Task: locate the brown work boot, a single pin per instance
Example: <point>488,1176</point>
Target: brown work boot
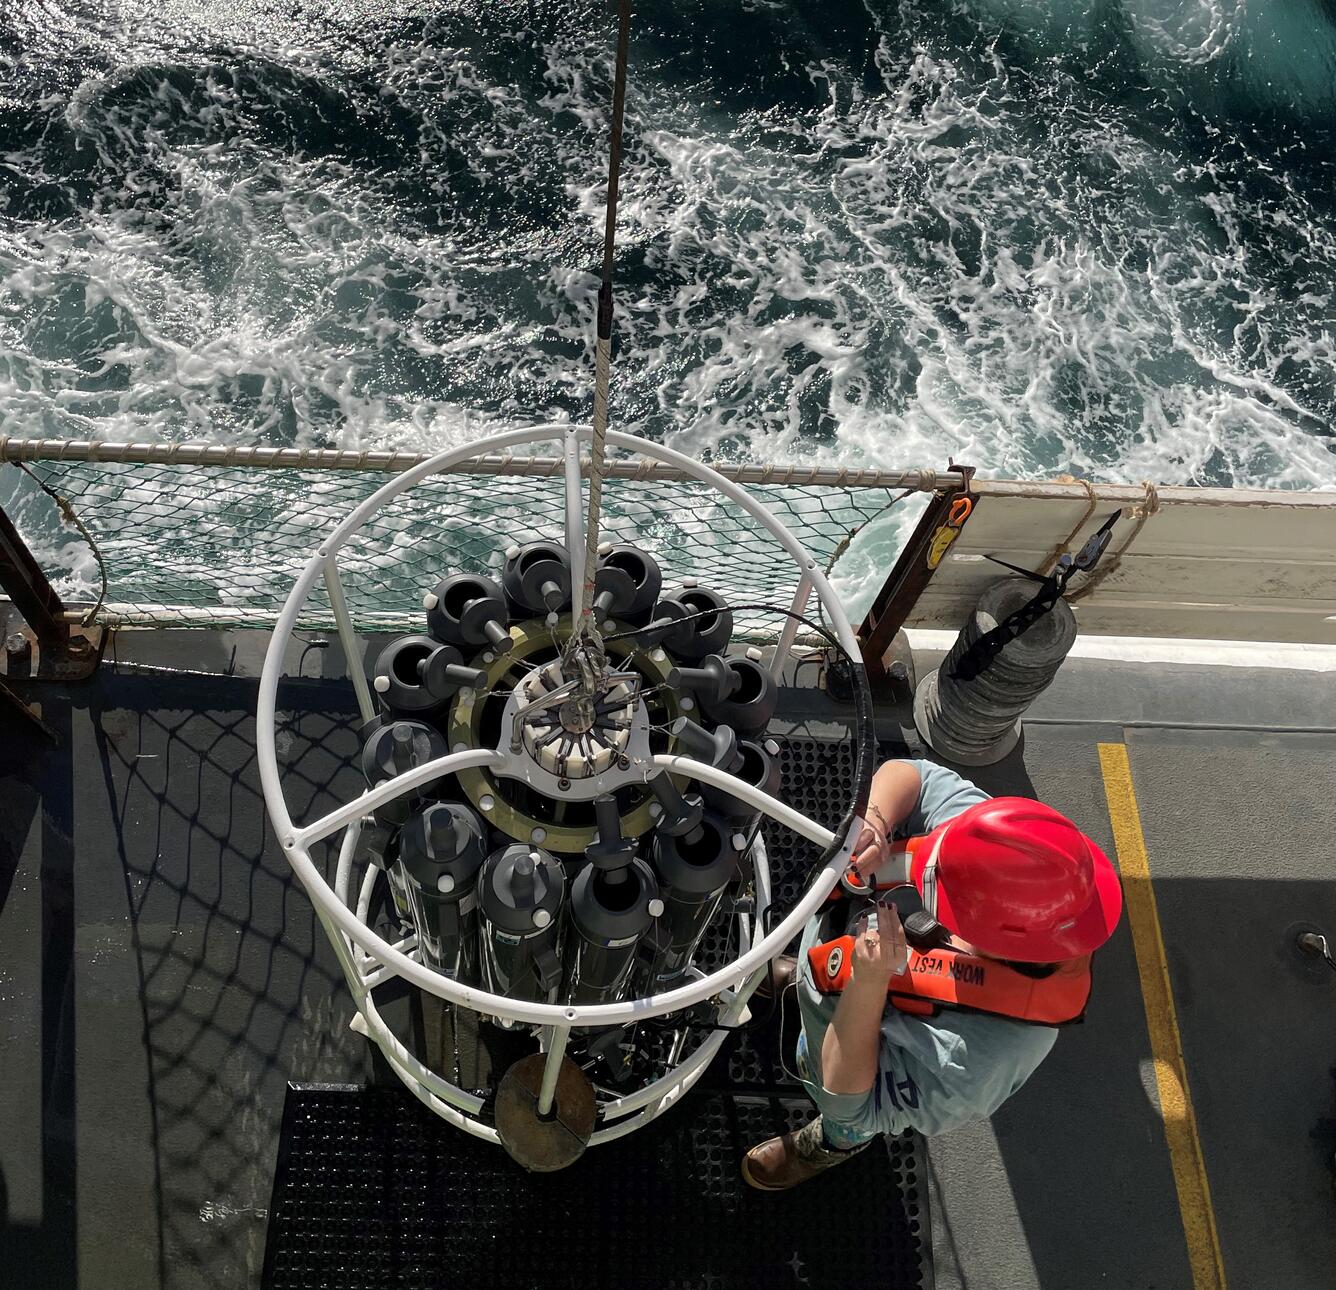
<point>792,1158</point>
<point>784,974</point>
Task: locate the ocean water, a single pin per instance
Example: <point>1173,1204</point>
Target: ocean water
<point>1039,237</point>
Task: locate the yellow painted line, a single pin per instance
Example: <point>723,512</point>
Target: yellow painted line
<point>1171,1073</point>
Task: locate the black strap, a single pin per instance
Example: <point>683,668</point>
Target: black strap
<point>547,967</point>
<point>979,657</point>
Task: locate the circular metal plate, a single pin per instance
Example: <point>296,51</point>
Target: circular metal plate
<point>578,778</point>
<point>466,714</point>
<point>544,1144</point>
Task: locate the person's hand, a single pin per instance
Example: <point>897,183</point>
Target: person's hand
<point>880,952</point>
<point>870,852</point>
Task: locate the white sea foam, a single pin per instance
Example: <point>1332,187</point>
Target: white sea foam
<point>379,225</point>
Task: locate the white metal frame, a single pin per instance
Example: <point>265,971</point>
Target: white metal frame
<point>368,960</point>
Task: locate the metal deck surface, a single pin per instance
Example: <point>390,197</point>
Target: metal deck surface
<point>162,978</point>
<point>375,1191</point>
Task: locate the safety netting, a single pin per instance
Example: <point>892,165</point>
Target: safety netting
<point>188,543</point>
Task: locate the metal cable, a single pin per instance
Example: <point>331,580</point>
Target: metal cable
<point>586,631</point>
<point>848,538</point>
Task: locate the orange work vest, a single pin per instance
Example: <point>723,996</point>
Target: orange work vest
<point>948,978</point>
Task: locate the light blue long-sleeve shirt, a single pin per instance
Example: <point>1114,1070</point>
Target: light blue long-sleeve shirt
<point>934,1072</point>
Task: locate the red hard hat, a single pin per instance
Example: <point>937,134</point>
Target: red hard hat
<point>1018,880</point>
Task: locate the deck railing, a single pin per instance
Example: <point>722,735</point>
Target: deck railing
<point>214,535</point>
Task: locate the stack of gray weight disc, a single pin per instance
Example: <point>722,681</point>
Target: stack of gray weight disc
<point>976,723</point>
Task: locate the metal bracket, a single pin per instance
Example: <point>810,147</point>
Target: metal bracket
<point>966,474</point>
<point>631,769</point>
<point>38,640</point>
<point>25,657</point>
<point>938,527</point>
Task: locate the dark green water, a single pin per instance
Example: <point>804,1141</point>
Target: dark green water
<point>1038,237</point>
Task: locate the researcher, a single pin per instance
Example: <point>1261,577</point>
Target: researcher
<point>1005,900</point>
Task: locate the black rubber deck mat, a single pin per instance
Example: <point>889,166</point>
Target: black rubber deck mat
<point>374,1191</point>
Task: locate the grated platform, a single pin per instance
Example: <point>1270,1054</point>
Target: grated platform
<point>373,1191</point>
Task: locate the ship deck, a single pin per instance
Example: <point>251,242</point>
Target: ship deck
<point>164,979</point>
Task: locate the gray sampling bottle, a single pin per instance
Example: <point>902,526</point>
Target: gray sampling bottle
<point>387,751</point>
<point>521,891</point>
<point>696,856</point>
<point>614,902</point>
<point>757,765</point>
<point>441,850</point>
<point>392,749</point>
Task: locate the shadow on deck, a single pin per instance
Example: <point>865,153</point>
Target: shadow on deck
<point>163,977</point>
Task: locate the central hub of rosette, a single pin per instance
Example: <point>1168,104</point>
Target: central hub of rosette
<point>571,734</point>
